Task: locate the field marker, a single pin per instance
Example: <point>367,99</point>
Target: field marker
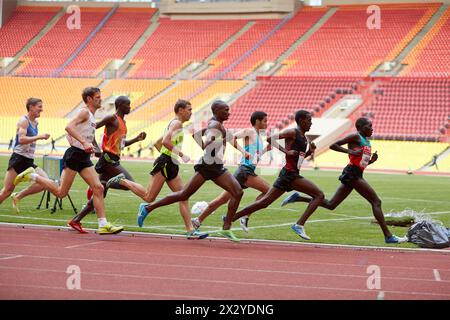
<point>380,295</point>
<point>437,276</point>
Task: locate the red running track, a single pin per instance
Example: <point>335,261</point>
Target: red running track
<point>34,263</point>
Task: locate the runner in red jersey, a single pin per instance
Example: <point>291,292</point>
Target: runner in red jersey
<point>360,154</point>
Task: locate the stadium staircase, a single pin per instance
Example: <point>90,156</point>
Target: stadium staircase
<point>441,158</point>
<point>428,21</point>
<point>61,42</point>
<point>284,56</point>
<point>430,56</point>
<point>103,55</point>
<point>356,50</point>
<point>130,64</point>
<point>85,42</point>
<point>206,64</point>
<point>160,94</point>
<point>30,42</point>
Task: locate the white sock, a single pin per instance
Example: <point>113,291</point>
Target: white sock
<point>33,176</point>
<point>102,222</point>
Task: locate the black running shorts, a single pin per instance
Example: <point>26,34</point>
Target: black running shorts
<point>166,166</point>
<point>107,159</point>
<point>20,163</point>
<point>285,178</point>
<point>350,174</point>
<point>242,173</point>
<point>77,159</point>
<point>210,171</point>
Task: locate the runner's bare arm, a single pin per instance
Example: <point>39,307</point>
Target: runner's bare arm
<point>22,133</point>
<point>353,137</point>
<point>285,134</point>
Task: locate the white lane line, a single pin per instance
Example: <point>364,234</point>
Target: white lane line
<point>160,236</point>
<point>11,257</point>
<point>265,270</point>
<point>82,245</point>
<point>168,296</point>
<point>231,283</point>
<point>437,276</point>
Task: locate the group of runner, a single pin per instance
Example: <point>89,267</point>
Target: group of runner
<point>109,173</point>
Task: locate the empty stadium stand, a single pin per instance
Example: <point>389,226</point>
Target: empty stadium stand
<point>139,91</point>
<point>175,44</point>
<point>113,41</point>
<point>59,95</point>
<point>280,97</point>
<point>24,25</point>
<point>411,108</point>
<point>312,73</point>
<point>59,43</point>
<point>272,48</point>
<point>345,46</point>
<point>430,57</point>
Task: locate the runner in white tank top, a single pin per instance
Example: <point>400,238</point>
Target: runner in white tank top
<point>86,130</point>
<point>80,134</point>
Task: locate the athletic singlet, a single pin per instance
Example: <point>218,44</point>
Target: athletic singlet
<point>26,150</point>
<point>176,140</point>
<point>86,130</point>
<point>255,150</point>
<point>294,163</point>
<point>210,156</point>
<point>361,161</point>
<point>115,142</point>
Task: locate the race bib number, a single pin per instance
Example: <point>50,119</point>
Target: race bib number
<point>122,142</point>
<point>301,157</point>
<point>365,157</point>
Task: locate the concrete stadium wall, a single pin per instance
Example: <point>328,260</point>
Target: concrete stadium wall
<point>83,4</point>
<point>262,9</point>
<point>6,10</point>
<point>212,10</point>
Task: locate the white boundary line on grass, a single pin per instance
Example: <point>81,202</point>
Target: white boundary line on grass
<point>250,241</point>
<point>172,228</point>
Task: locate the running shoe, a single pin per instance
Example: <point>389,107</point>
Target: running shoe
<point>115,179</point>
<point>294,197</point>
<point>196,223</point>
<point>395,239</point>
<point>300,231</point>
<point>24,176</point>
<point>142,214</point>
<point>15,202</point>
<point>229,235</point>
<point>109,229</point>
<point>244,223</point>
<point>76,226</point>
<point>196,235</point>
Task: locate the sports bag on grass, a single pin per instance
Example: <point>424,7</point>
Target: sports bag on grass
<point>428,234</point>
